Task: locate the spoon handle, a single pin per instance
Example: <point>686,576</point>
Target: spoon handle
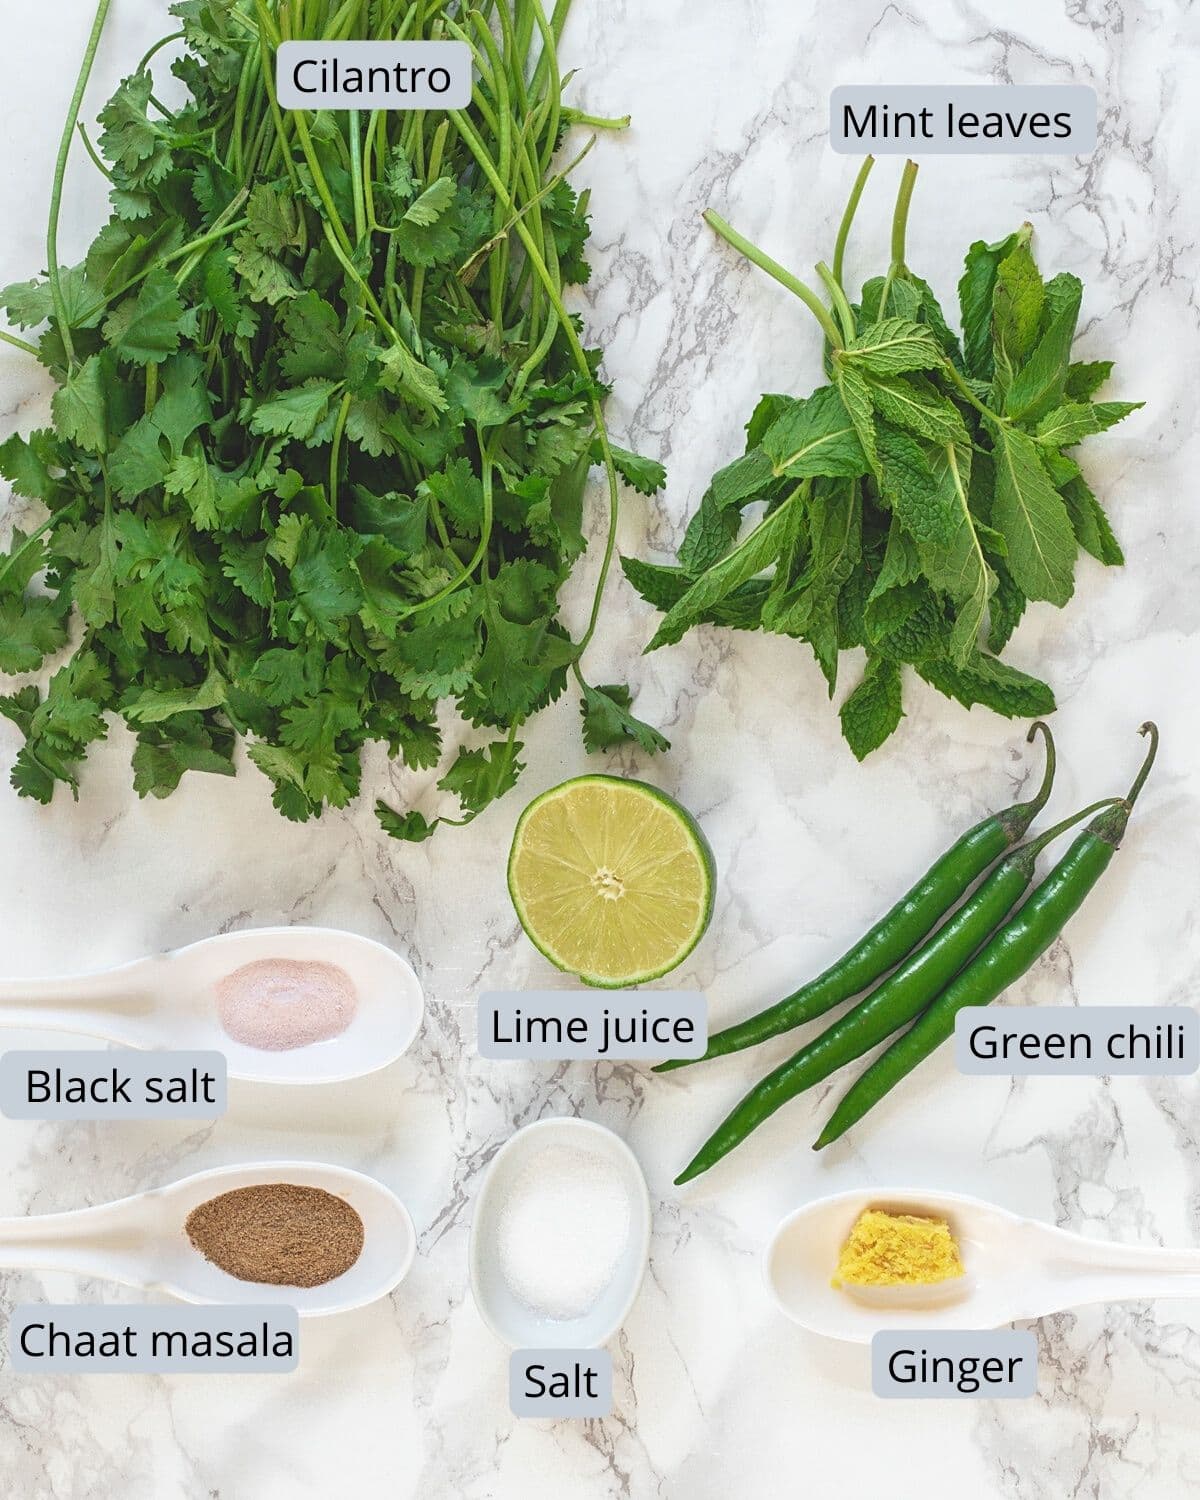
<point>1133,1273</point>
<point>102,1005</point>
<point>77,1019</point>
<point>88,990</point>
<point>83,1241</point>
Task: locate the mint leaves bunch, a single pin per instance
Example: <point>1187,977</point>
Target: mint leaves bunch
<point>322,427</point>
<point>917,502</point>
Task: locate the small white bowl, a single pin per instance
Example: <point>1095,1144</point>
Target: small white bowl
<point>521,1327</point>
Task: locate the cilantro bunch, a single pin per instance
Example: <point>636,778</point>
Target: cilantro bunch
<point>323,422</point>
<point>915,503</point>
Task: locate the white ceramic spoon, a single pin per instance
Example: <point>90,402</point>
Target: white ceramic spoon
<point>170,1001</point>
<point>141,1242</point>
<point>515,1324</point>
<point>1016,1268</point>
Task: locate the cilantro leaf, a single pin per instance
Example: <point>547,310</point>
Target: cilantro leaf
<point>607,720</point>
<point>645,475</point>
<point>146,328</point>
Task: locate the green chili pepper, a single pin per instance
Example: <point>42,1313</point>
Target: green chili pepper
<point>1009,954</point>
<point>902,995</point>
<point>894,936</point>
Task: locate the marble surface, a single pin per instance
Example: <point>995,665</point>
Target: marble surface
<point>715,1394</point>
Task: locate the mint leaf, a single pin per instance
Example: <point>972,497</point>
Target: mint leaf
<point>915,403</point>
<point>709,536</point>
<point>873,710</point>
<point>1017,302</point>
<point>811,437</point>
<point>855,392</point>
<point>925,507</point>
<point>1041,381</point>
<point>976,291</point>
<point>758,550</point>
<point>663,587</point>
<point>961,569</point>
<point>1030,514</point>
<point>993,683</point>
<point>1090,524</point>
<point>1085,379</point>
<point>1070,423</point>
<point>1006,607</point>
<point>892,346</point>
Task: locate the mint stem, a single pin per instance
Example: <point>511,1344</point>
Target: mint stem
<point>838,298</point>
<point>772,267</point>
<point>843,234</point>
<point>908,181</point>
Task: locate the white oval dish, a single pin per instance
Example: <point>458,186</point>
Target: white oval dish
<point>515,1324</point>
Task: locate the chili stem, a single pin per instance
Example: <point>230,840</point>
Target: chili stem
<point>1035,846</point>
<point>1152,730</point>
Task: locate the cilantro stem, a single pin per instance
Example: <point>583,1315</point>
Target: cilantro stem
<point>148,57</point>
<point>468,267</point>
<point>354,126</point>
<point>772,267</point>
<point>843,234</point>
<point>281,135</point>
<point>467,131</point>
<point>332,217</point>
<point>96,159</point>
<point>595,122</point>
<point>60,172</point>
<point>250,66</point>
<point>479,556</point>
<point>11,338</point>
<point>335,451</point>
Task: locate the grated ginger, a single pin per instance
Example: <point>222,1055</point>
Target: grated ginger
<point>897,1249</point>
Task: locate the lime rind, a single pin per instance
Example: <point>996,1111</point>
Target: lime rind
<point>693,849</point>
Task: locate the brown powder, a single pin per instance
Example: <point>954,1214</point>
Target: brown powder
<point>278,1233</point>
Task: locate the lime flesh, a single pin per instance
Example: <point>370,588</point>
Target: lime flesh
<point>611,880</point>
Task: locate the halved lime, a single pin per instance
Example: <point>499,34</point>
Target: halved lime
<point>611,879</point>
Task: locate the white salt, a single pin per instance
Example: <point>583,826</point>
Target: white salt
<point>563,1230</point>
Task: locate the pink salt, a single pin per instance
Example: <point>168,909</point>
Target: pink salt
<point>276,1004</point>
